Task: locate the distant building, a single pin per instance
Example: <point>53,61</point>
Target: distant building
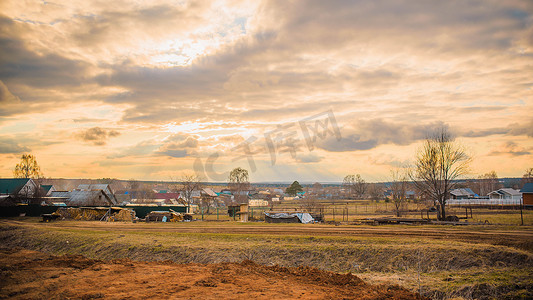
<point>17,187</point>
<point>257,203</point>
<point>527,194</point>
<point>105,188</point>
<point>505,194</point>
<point>84,195</point>
<point>47,189</point>
<point>465,193</point>
<point>81,198</point>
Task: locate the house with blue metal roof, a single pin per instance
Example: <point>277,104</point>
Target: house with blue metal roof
<point>527,194</point>
<point>17,187</point>
<point>463,193</point>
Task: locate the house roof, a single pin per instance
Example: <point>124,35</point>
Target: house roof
<point>209,192</point>
<point>507,191</point>
<point>60,194</point>
<point>92,187</point>
<point>123,197</point>
<point>527,188</point>
<point>80,198</point>
<point>166,196</point>
<point>12,185</point>
<point>46,187</point>
<point>462,192</point>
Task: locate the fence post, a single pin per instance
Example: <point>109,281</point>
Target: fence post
<point>521,215</point>
<point>347,214</point>
<point>217,213</point>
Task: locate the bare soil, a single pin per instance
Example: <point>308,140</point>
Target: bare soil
<point>26,274</point>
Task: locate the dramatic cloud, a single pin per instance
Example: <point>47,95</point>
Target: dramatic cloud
<point>515,129</point>
<point>96,135</point>
<point>10,146</point>
<point>172,81</point>
<point>6,96</point>
<point>512,149</point>
<point>178,146</point>
<point>308,158</point>
<point>368,134</point>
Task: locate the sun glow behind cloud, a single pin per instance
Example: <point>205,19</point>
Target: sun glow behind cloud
<point>154,85</point>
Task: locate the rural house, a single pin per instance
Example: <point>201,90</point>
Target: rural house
<point>527,194</point>
<point>465,193</point>
<point>47,189</point>
<point>105,188</point>
<point>81,198</point>
<point>505,194</point>
<point>85,195</point>
<point>17,187</point>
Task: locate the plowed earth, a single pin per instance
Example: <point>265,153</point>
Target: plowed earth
<point>28,274</point>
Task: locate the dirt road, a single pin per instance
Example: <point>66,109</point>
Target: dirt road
<point>33,275</point>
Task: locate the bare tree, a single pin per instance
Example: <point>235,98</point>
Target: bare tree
<point>528,176</point>
<point>311,205</point>
<point>399,189</point>
<point>375,191</point>
<point>488,182</point>
<point>439,162</point>
<point>360,186</point>
<point>27,168</point>
<point>355,185</point>
<point>206,201</point>
<point>133,185</point>
<point>144,194</point>
<point>349,185</point>
<point>239,183</point>
<point>190,182</point>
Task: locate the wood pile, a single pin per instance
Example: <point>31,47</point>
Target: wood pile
<point>96,214</point>
<point>164,216</point>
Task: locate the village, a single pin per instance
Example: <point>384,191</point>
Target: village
<point>284,202</point>
<point>231,149</point>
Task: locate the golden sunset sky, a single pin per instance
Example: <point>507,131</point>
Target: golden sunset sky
<point>151,89</point>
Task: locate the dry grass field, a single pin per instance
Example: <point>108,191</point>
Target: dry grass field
<point>441,262</point>
<point>357,210</point>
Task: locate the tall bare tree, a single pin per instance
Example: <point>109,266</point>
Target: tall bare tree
<point>27,168</point>
<point>439,162</point>
<point>375,191</point>
<point>360,186</point>
<point>189,182</point>
<point>399,189</point>
<point>355,184</point>
<point>239,183</point>
<point>349,185</point>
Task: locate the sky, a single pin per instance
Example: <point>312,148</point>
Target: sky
<point>289,90</point>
